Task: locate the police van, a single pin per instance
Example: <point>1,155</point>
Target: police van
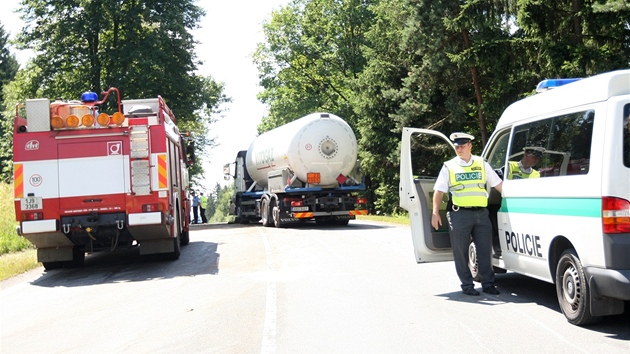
<point>570,225</point>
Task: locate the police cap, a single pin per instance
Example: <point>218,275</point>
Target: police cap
<point>461,138</point>
<point>535,150</point>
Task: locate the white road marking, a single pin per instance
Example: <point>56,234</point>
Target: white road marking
<point>269,329</point>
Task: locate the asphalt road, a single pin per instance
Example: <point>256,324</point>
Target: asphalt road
<point>309,289</point>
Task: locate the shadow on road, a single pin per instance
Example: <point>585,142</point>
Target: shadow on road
<point>515,288</point>
<point>307,225</point>
<point>197,258</point>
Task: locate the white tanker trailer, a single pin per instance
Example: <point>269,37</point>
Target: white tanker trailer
<point>303,170</point>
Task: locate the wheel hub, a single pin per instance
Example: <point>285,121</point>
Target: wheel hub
<point>569,285</point>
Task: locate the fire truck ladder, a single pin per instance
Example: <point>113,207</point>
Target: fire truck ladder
<point>140,164</point>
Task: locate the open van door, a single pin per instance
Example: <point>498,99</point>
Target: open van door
<point>416,194</point>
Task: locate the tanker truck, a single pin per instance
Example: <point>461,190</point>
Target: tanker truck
<point>304,170</point>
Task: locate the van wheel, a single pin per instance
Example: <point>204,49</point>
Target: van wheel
<point>473,264</point>
<point>572,290</point>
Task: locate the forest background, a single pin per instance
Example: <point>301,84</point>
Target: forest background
<point>380,64</point>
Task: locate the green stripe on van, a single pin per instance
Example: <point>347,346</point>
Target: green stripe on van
<point>590,207</point>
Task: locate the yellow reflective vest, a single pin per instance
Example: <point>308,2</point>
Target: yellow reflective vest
<point>467,184</point>
<point>515,172</point>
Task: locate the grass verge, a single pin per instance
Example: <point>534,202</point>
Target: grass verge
<point>12,264</point>
<point>396,219</point>
<point>17,255</point>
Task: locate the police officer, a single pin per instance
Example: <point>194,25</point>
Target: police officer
<point>195,208</point>
<point>522,169</point>
<point>202,208</point>
<point>525,167</point>
<point>465,178</point>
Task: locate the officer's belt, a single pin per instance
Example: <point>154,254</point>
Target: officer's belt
<point>457,207</point>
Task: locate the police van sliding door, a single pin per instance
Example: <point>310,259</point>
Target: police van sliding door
<point>91,176</point>
<point>558,199</point>
<point>422,155</point>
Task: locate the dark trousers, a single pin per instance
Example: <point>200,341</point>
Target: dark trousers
<point>464,224</point>
<point>203,215</point>
<point>195,214</point>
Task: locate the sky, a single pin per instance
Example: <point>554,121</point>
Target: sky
<point>228,36</point>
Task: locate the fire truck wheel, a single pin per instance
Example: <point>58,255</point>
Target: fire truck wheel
<point>185,238</point>
<point>78,257</point>
<point>52,265</point>
<point>177,249</point>
<point>176,240</point>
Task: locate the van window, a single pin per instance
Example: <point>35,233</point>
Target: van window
<point>565,143</point>
<point>626,135</point>
<point>498,150</point>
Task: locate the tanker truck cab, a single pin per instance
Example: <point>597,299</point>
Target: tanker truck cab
<point>569,223</point>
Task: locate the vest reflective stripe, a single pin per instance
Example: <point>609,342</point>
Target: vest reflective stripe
<point>467,184</point>
<point>517,173</point>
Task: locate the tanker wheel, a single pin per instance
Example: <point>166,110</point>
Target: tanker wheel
<point>264,212</point>
<point>572,290</point>
<point>342,222</point>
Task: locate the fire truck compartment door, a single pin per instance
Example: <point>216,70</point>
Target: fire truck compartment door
<point>91,169</point>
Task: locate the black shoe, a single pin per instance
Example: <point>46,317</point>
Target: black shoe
<point>492,290</point>
<point>471,292</point>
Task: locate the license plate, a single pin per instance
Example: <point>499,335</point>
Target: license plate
<point>31,203</point>
<point>299,209</point>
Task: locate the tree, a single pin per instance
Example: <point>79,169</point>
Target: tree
<point>8,63</point>
<point>142,47</point>
<point>8,69</point>
<point>219,204</point>
<point>310,59</point>
<point>439,64</point>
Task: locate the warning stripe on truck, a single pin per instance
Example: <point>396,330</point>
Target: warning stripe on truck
<point>18,177</point>
<point>358,212</point>
<point>162,179</point>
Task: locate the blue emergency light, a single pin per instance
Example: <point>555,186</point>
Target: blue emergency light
<point>89,97</point>
<point>549,84</point>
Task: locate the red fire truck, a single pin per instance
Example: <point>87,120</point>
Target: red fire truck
<point>88,181</point>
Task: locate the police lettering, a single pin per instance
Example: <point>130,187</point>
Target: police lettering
<point>523,243</point>
<point>469,176</point>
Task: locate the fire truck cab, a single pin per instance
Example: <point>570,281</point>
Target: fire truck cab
<point>88,181</point>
